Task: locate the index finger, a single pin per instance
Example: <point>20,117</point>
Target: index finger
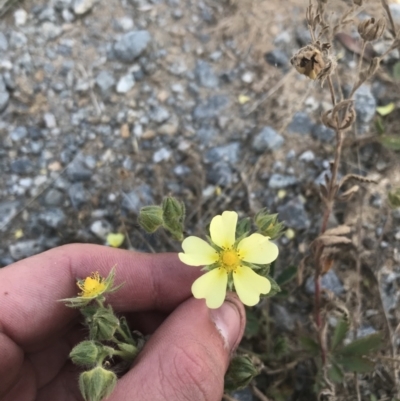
<point>30,289</point>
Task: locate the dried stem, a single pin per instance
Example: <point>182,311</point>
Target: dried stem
<point>385,6</point>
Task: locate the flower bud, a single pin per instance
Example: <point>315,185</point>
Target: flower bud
<point>129,351</point>
<point>371,30</point>
<point>240,373</point>
<point>103,325</point>
<point>173,216</point>
<point>150,218</point>
<point>97,384</point>
<point>85,353</point>
<point>268,224</point>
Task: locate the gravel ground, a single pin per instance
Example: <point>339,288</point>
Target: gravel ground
<point>109,106</point>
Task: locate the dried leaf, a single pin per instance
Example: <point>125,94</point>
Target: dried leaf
<point>333,240</point>
<point>357,178</point>
<point>339,230</point>
<point>347,195</point>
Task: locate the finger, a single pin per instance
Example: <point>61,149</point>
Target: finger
<point>30,289</point>
<point>187,357</point>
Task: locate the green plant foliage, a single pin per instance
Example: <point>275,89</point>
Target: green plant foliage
<point>240,373</point>
<point>396,71</point>
<point>274,287</point>
<point>309,345</point>
<point>287,275</point>
<point>252,324</point>
<point>390,142</point>
<point>243,227</point>
<point>394,198</point>
<point>339,334</point>
<point>335,373</point>
<point>356,363</point>
<point>380,127</point>
<point>362,346</point>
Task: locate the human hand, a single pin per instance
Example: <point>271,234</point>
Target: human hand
<point>185,359</point>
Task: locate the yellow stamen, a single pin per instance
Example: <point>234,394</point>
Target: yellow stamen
<point>230,259</point>
<point>92,286</point>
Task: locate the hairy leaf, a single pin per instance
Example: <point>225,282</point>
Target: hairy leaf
<point>287,275</point>
<point>335,373</point>
<point>356,363</point>
<point>363,346</point>
<point>339,334</point>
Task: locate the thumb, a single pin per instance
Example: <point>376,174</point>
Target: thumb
<point>187,357</point>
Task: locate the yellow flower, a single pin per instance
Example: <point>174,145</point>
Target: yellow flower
<point>92,286</point>
<point>229,259</point>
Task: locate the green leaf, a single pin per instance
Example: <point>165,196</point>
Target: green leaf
<point>243,227</point>
<point>339,334</point>
<point>385,110</point>
<point>396,71</point>
<point>379,126</point>
<point>287,275</point>
<point>335,373</point>
<point>356,363</point>
<point>363,346</point>
<point>252,324</point>
<point>274,287</point>
<point>309,345</point>
<point>390,142</point>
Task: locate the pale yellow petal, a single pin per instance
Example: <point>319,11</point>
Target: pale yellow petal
<point>212,287</point>
<point>257,249</point>
<point>223,228</point>
<point>249,285</point>
<point>197,252</point>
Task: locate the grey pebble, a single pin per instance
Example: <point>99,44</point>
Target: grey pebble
<point>323,133</point>
<point>365,105</point>
<point>4,98</point>
<point>131,45</point>
<point>279,181</point>
<point>329,281</point>
<point>228,153</point>
<point>101,228</point>
<point>53,197</point>
<point>205,75</point>
<point>282,318</point>
<point>294,215</point>
<point>7,210</point>
<point>24,249</point>
<point>22,166</point>
<point>267,139</point>
<point>125,83</point>
<point>3,42</point>
<point>307,156</point>
<point>277,58</point>
<point>81,7</point>
<point>77,171</point>
<point>18,133</point>
<point>210,108</point>
<point>161,155</point>
<point>159,114</point>
<point>53,218</point>
<point>141,196</point>
<point>300,124</point>
<point>78,195</point>
<point>105,81</point>
<point>221,174</point>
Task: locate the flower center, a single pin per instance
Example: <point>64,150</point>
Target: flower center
<point>92,286</point>
<point>230,259</point>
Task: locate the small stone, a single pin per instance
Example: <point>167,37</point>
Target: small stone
<point>124,130</point>
<point>20,17</point>
<point>77,171</point>
<point>279,181</point>
<point>125,23</point>
<point>51,31</point>
<point>243,395</point>
<point>329,281</point>
<point>49,120</point>
<point>7,210</point>
<point>4,98</point>
<point>18,134</point>
<point>161,155</point>
<point>307,156</point>
<point>3,42</point>
<point>125,83</point>
<point>53,197</point>
<point>18,40</point>
<point>105,81</point>
<point>277,58</point>
<point>365,105</point>
<point>131,45</point>
<point>136,199</point>
<point>247,77</point>
<point>78,195</point>
<point>205,75</point>
<point>101,228</point>
<point>24,249</point>
<point>220,174</point>
<point>322,133</point>
<point>228,153</point>
<point>53,218</point>
<point>267,139</point>
<point>211,108</point>
<point>159,114</point>
<point>294,215</point>
<point>81,7</point>
<point>22,166</point>
<point>300,124</point>
<point>282,318</point>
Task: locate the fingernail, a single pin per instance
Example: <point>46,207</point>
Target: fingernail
<point>227,319</point>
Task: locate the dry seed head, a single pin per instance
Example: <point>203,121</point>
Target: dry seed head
<point>309,61</point>
<point>371,30</point>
